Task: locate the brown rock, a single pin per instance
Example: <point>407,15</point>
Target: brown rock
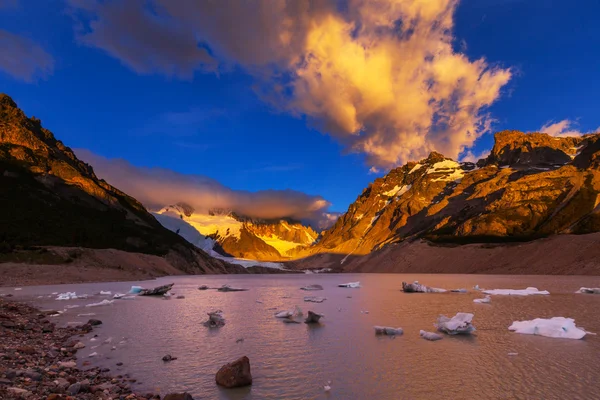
<point>235,374</point>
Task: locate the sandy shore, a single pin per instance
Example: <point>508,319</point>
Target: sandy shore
<point>37,360</point>
<point>95,265</point>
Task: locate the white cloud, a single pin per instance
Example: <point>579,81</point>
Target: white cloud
<point>563,128</point>
<point>381,76</point>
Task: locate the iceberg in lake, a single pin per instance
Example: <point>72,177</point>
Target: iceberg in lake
<point>430,336</point>
<point>67,296</point>
<point>297,312</point>
<point>557,327</point>
<point>516,292</point>
<point>315,299</point>
<point>459,324</point>
<point>350,285</point>
<point>588,290</point>
<point>107,293</point>
<point>135,289</point>
<point>312,287</point>
<point>386,330</point>
<point>486,300</point>
<point>416,287</point>
<point>102,303</point>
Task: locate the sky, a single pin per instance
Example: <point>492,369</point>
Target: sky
<point>293,107</point>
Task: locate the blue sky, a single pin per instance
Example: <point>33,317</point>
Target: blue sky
<point>214,124</point>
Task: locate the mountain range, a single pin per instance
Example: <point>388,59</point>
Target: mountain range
<point>533,194</point>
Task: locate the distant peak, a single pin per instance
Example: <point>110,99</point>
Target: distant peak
<point>435,156</point>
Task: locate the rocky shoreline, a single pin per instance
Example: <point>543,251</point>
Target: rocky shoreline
<point>38,361</point>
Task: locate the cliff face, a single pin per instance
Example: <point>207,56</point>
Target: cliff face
<point>530,186</point>
<point>48,197</point>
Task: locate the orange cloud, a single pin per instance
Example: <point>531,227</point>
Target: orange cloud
<point>159,187</point>
<point>381,76</point>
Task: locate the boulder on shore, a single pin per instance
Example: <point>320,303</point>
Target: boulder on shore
<point>235,374</point>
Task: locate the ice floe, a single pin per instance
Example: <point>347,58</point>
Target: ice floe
<point>516,292</point>
<point>107,293</point>
<point>386,330</point>
<point>296,312</point>
<point>430,336</point>
<point>315,299</point>
<point>350,285</point>
<point>557,327</point>
<point>459,324</point>
<point>588,290</point>
<point>416,287</point>
<point>102,303</point>
<point>67,296</point>
<point>136,289</point>
<point>312,287</point>
<point>486,300</point>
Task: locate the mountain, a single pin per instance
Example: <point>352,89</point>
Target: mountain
<point>237,236</point>
<point>48,197</point>
<point>531,186</point>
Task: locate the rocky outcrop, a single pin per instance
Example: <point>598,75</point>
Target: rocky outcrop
<point>235,374</point>
<point>49,197</point>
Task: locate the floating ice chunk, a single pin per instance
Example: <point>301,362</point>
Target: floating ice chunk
<point>416,287</point>
<point>350,285</point>
<point>486,300</point>
<point>297,312</point>
<point>386,330</point>
<point>18,288</point>
<point>215,319</point>
<point>459,324</point>
<point>315,299</point>
<point>459,290</point>
<point>313,318</point>
<point>102,303</point>
<point>513,354</point>
<point>327,386</point>
<point>430,336</point>
<point>119,295</point>
<point>557,327</point>
<point>67,296</point>
<point>107,293</point>
<point>135,289</point>
<point>516,292</point>
<point>312,287</point>
<point>476,287</point>
<point>227,288</point>
<point>94,354</point>
<point>588,290</point>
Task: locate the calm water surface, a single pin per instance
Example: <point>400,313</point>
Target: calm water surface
<point>294,361</point>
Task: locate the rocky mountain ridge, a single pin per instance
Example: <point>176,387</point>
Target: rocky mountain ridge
<point>48,197</point>
<point>530,186</point>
